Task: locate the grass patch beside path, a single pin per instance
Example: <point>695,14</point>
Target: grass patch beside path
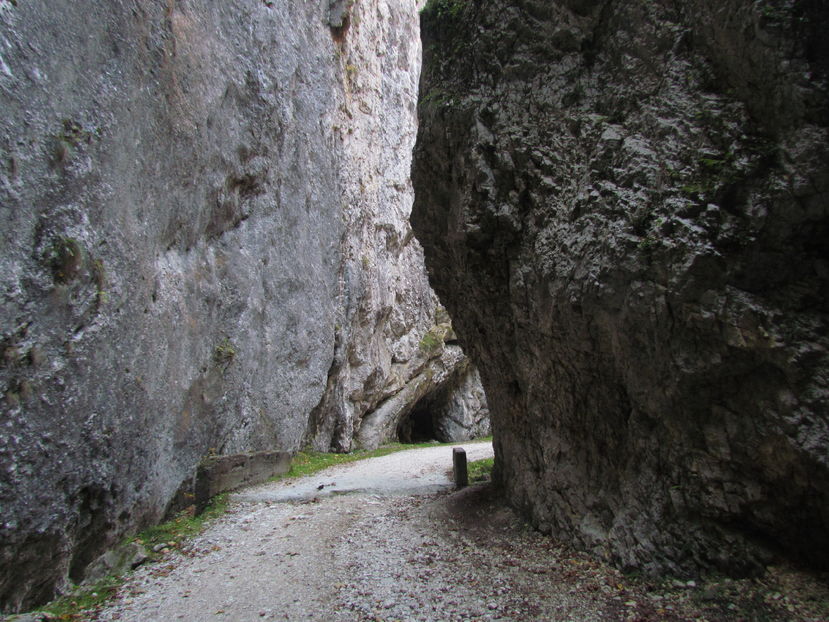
<point>481,470</point>
<point>184,525</point>
<point>81,600</point>
<point>172,534</point>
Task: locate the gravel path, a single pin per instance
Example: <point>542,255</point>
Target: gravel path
<point>383,539</point>
<point>282,552</point>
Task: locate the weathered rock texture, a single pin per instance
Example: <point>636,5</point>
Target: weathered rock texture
<point>387,351</point>
<point>624,208</point>
<point>461,412</point>
<point>204,249</point>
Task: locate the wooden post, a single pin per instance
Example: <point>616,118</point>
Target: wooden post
<point>459,467</point>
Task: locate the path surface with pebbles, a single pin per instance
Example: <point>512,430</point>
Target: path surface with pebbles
<point>386,539</point>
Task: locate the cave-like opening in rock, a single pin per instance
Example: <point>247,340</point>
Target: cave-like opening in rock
<point>456,410</point>
<point>418,426</point>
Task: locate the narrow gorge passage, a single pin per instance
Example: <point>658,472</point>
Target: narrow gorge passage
<point>206,204</point>
<point>595,229</point>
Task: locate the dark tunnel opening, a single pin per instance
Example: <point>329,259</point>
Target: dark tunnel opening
<point>418,426</point>
<point>455,410</point>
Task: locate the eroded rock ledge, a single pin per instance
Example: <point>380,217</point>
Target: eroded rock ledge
<point>624,207</point>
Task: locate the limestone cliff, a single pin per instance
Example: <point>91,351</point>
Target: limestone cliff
<point>624,207</point>
<point>388,355</point>
<point>204,249</point>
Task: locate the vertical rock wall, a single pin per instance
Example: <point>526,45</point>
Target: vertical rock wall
<point>624,208</point>
<point>170,193</point>
<point>204,251</point>
<point>385,303</point>
<point>389,349</point>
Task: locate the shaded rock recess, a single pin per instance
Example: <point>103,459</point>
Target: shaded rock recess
<point>624,207</point>
<point>205,251</point>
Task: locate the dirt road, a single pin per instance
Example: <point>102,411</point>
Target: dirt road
<point>289,550</point>
<point>386,539</point>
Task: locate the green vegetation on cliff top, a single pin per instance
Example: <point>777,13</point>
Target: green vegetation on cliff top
<point>443,8</point>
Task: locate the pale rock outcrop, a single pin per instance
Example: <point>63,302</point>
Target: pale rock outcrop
<point>387,357</point>
<point>460,409</point>
<point>454,411</point>
<point>386,305</point>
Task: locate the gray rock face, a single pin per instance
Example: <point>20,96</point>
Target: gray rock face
<point>460,409</point>
<point>388,420</point>
<point>205,250</point>
<point>170,189</point>
<point>385,304</point>
<point>443,401</point>
<point>116,562</point>
<point>624,208</point>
